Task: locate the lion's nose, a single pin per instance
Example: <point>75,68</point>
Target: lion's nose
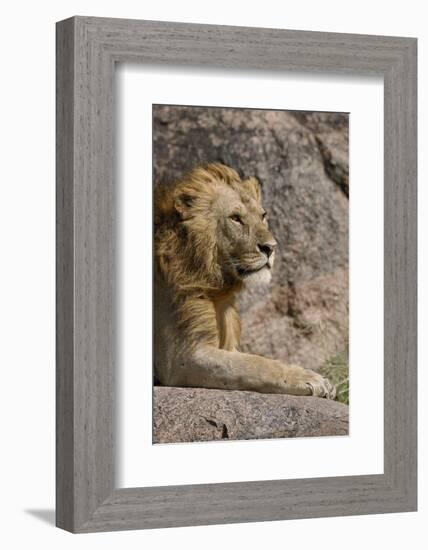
<point>267,248</point>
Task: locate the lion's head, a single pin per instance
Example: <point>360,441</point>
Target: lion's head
<point>211,231</point>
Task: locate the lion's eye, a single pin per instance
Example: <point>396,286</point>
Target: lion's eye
<point>236,218</point>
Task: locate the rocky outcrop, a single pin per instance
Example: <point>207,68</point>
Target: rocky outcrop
<point>190,414</point>
<point>301,159</point>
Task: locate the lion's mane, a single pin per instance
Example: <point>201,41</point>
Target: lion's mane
<point>187,269</point>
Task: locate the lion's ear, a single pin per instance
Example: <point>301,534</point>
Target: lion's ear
<point>253,187</point>
<point>183,203</point>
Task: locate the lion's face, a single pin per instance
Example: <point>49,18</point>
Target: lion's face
<point>212,231</point>
<point>245,245</point>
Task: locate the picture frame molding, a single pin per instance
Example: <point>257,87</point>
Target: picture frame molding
<point>87,50</point>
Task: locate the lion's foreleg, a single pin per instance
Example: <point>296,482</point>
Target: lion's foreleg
<point>209,367</point>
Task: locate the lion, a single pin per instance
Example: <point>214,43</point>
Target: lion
<point>211,239</point>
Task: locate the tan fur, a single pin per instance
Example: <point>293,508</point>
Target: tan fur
<point>211,239</point>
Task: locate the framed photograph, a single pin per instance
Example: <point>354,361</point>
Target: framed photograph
<point>236,274</point>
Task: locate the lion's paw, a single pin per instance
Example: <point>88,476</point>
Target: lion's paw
<point>300,381</point>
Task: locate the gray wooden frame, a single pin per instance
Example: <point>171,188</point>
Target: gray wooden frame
<point>87,50</point>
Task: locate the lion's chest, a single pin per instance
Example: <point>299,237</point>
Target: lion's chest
<point>228,324</point>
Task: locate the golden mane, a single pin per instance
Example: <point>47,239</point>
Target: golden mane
<point>185,241</point>
<point>186,256</point>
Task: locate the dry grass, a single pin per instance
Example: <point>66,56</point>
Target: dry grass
<point>336,369</point>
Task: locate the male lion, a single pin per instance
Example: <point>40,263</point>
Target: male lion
<point>211,239</point>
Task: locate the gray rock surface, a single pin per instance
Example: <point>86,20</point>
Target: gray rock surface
<point>190,414</point>
<point>301,159</point>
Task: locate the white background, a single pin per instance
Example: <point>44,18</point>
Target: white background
<point>215,462</point>
<point>27,273</point>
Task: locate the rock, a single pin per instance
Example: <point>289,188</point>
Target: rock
<point>305,323</point>
<point>190,414</point>
<point>301,159</point>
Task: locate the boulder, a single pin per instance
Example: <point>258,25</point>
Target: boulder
<point>194,414</point>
